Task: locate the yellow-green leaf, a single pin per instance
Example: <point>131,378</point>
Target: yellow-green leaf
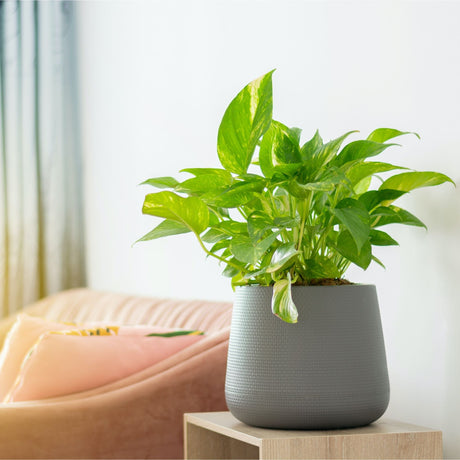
<point>165,228</point>
<point>191,212</point>
<point>408,181</point>
<point>385,134</point>
<point>358,150</point>
<point>161,182</point>
<point>245,121</point>
<point>282,304</point>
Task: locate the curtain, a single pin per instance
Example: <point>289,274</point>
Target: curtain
<point>41,218</point>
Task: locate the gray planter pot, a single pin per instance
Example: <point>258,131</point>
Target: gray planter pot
<point>326,371</point>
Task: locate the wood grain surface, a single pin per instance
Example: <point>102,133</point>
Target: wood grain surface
<point>219,435</point>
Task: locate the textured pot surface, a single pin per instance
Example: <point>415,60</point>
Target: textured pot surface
<point>326,371</point>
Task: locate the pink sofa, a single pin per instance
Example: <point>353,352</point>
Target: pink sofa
<point>140,416</point>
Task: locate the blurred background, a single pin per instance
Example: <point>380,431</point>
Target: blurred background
<point>97,96</point>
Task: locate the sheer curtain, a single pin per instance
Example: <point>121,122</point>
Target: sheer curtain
<point>41,228</point>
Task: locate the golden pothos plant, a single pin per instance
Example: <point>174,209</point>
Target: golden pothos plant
<point>281,211</point>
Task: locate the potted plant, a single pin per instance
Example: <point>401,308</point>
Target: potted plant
<point>286,219</point>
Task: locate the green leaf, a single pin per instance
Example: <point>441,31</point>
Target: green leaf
<point>331,177</point>
<point>213,235</point>
<point>360,171</point>
<point>355,218</point>
<point>223,212</point>
<point>191,212</point>
<point>174,333</point>
<point>280,192</point>
<point>261,276</point>
<point>393,215</point>
<point>229,199</point>
<point>258,224</point>
<point>213,218</point>
<point>161,182</point>
<point>232,227</point>
<point>247,251</point>
<point>362,186</point>
<point>246,119</point>
<point>283,254</point>
<point>321,267</point>
<point>286,222</point>
<point>374,198</point>
<point>329,150</point>
<point>226,254</point>
<point>346,246</point>
<point>411,180</point>
<point>231,271</point>
<point>379,238</point>
<point>284,171</point>
<point>224,231</point>
<point>311,148</point>
<point>223,173</point>
<point>247,186</point>
<point>286,147</point>
<point>222,244</point>
<point>282,304</point>
<point>238,280</point>
<point>359,150</point>
<point>278,147</point>
<point>165,228</point>
<point>322,156</point>
<point>295,133</point>
<point>385,134</point>
<point>203,184</point>
<point>302,191</point>
<point>375,259</point>
<point>252,178</point>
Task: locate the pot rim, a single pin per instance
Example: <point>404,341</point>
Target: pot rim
<point>294,286</point>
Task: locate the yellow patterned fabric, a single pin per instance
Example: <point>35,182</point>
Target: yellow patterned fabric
<point>112,330</point>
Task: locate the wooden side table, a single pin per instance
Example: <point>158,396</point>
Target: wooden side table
<point>219,435</point>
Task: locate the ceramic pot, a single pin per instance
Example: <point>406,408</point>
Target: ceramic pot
<point>327,371</point>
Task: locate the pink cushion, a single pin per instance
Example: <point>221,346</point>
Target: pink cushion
<point>64,364</point>
<point>40,363</point>
<point>22,336</point>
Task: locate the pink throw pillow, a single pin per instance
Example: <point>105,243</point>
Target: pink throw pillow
<point>22,336</point>
<point>64,364</point>
<point>36,362</point>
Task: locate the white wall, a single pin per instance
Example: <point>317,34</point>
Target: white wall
<point>156,78</point>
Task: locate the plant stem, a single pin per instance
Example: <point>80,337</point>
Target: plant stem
<point>216,256</point>
<point>303,218</point>
<point>321,243</point>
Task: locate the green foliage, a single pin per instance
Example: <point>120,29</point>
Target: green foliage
<point>282,304</point>
<point>246,119</point>
<point>281,212</point>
